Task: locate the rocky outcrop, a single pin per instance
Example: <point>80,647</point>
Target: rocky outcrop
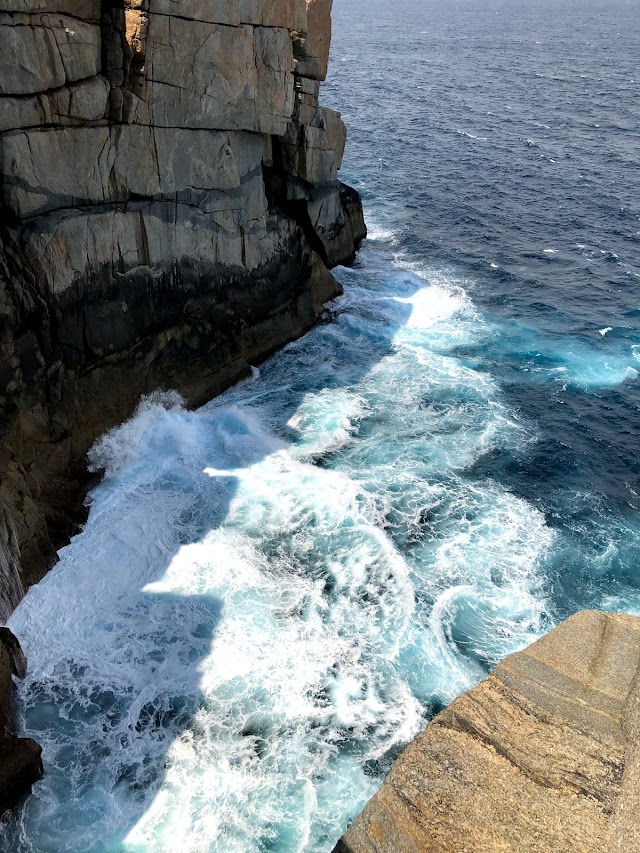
<point>20,762</point>
<point>544,755</point>
<point>169,211</point>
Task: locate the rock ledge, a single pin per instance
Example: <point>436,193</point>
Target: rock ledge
<point>544,755</point>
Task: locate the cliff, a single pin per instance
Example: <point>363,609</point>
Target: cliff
<point>20,761</point>
<point>541,756</point>
<point>169,211</point>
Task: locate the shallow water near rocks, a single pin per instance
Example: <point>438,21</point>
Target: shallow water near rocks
<point>273,594</point>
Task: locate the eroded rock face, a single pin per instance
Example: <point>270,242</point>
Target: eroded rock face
<point>541,756</point>
<point>313,47</point>
<point>20,761</point>
<point>169,210</point>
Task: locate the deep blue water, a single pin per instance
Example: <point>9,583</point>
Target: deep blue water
<point>499,144</point>
<point>273,594</point>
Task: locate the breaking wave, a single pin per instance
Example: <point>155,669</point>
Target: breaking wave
<point>274,593</point>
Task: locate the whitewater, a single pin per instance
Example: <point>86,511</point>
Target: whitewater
<point>273,594</point>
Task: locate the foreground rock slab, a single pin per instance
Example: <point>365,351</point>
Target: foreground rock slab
<point>544,755</point>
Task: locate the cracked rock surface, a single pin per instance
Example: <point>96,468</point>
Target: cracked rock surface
<point>20,761</point>
<point>541,756</point>
<point>169,214</point>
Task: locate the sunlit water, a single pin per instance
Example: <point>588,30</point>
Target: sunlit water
<point>273,594</point>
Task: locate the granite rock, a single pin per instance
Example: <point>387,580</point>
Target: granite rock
<point>148,239</point>
<point>541,756</point>
<point>20,758</point>
<point>169,213</point>
<point>312,49</point>
<point>46,51</point>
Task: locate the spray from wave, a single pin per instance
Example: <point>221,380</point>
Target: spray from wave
<point>274,593</point>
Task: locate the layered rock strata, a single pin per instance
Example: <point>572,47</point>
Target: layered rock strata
<point>169,210</point>
<point>544,755</point>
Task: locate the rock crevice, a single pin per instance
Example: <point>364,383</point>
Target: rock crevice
<point>169,213</point>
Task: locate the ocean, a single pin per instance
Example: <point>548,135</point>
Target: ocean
<point>275,593</point>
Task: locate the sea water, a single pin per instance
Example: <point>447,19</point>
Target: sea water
<point>275,593</point>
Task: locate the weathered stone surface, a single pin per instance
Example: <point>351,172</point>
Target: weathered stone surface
<point>77,104</point>
<point>152,233</point>
<point>40,52</point>
<point>20,762</point>
<point>172,71</point>
<point>5,691</point>
<point>275,13</point>
<point>41,172</point>
<point>312,51</point>
<point>541,756</point>
<point>312,148</point>
<point>20,768</point>
<point>207,11</point>
<point>303,166</point>
<point>291,14</point>
<point>207,75</point>
<point>17,659</point>
<point>12,586</point>
<point>336,218</point>
<point>84,10</point>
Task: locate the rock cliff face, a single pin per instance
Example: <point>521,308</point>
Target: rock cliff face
<point>542,756</point>
<point>169,210</point>
<point>20,762</point>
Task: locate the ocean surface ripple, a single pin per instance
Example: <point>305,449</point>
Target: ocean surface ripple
<point>273,594</point>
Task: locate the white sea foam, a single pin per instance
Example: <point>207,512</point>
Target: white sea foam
<point>575,363</point>
<point>588,369</point>
<point>122,447</point>
<point>430,306</point>
<point>243,633</point>
<point>380,234</point>
<point>471,136</point>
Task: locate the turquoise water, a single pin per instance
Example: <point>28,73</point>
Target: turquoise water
<point>273,594</point>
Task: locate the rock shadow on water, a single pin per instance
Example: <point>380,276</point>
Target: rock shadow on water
<point>122,685</point>
<point>106,729</point>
